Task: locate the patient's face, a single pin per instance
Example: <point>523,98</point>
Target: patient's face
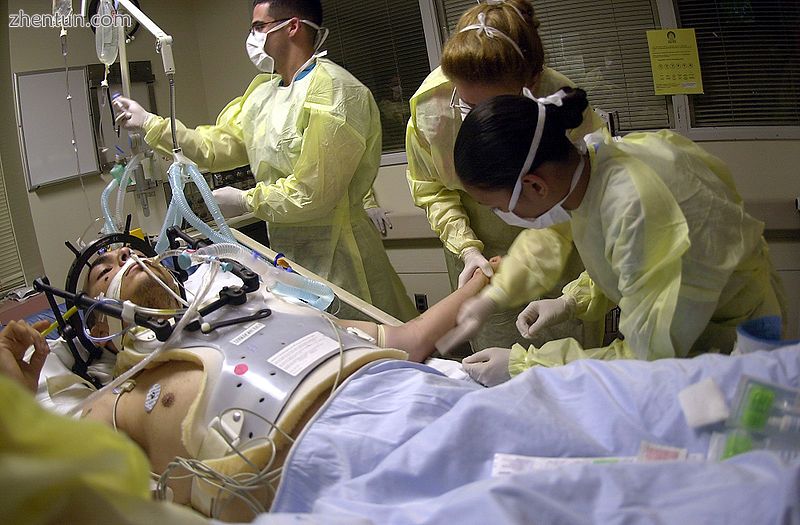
<point>137,286</point>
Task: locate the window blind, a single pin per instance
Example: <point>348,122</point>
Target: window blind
<point>602,47</point>
<point>750,59</point>
<point>11,275</point>
<point>382,43</point>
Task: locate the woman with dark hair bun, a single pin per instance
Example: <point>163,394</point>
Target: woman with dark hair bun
<point>657,221</point>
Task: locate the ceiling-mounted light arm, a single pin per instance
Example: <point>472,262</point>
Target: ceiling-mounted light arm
<point>163,40</point>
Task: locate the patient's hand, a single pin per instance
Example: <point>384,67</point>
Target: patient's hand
<point>478,277</point>
<point>15,339</point>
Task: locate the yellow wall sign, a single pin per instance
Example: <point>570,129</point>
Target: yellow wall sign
<point>674,62</point>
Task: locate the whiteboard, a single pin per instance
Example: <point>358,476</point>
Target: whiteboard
<point>45,126</point>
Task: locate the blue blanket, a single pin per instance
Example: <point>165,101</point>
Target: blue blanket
<point>401,443</point>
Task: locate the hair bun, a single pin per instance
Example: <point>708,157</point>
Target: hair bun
<point>573,104</point>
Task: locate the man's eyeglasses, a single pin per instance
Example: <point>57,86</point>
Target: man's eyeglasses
<point>457,103</point>
<point>262,27</point>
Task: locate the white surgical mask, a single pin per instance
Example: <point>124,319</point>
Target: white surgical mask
<point>255,48</point>
<point>557,214</point>
<point>256,41</point>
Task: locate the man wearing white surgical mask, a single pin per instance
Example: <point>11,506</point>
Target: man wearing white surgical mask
<point>311,134</point>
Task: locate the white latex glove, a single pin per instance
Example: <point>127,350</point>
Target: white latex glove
<point>231,201</point>
<point>544,313</point>
<point>471,317</point>
<point>473,258</point>
<point>379,219</point>
<point>130,114</point>
<point>488,367</point>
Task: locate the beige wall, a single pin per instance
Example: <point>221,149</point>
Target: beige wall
<point>767,174</point>
<point>221,33</point>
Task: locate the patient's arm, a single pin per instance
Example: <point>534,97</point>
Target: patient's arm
<point>417,337</point>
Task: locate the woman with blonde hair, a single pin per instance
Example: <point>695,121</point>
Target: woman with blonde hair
<point>495,50</point>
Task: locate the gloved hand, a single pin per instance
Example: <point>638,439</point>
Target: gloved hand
<point>543,313</point>
<point>131,115</point>
<point>488,367</point>
<point>473,258</point>
<point>379,219</point>
<point>471,317</point>
<point>231,201</point>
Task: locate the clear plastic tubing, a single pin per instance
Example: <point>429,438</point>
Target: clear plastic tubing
<point>279,281</point>
<point>179,208</point>
<point>109,226</point>
<point>127,175</point>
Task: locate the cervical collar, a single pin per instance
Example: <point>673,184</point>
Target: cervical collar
<point>274,370</point>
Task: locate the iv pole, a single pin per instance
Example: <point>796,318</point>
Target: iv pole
<point>150,213</point>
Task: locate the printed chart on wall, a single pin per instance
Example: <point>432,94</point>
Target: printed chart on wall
<point>674,62</point>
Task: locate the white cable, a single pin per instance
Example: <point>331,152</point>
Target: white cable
<point>239,485</point>
<point>161,283</point>
<point>341,355</point>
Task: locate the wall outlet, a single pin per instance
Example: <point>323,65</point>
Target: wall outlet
<point>421,302</point>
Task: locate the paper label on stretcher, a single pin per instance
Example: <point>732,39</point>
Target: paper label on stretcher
<point>247,333</point>
<point>508,464</point>
<point>301,354</point>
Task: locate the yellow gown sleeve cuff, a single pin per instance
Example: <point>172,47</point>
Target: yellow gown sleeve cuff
<point>552,353</point>
<point>154,128</point>
<point>370,201</point>
<point>517,361</point>
<point>561,352</point>
<point>249,198</point>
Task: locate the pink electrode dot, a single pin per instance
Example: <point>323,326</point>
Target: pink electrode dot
<point>240,369</point>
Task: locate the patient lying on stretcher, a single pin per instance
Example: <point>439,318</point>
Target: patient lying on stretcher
<point>165,409</point>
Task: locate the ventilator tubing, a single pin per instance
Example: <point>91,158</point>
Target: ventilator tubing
<point>110,225</point>
<point>127,175</point>
<point>113,223</point>
<point>179,208</point>
<point>281,282</point>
